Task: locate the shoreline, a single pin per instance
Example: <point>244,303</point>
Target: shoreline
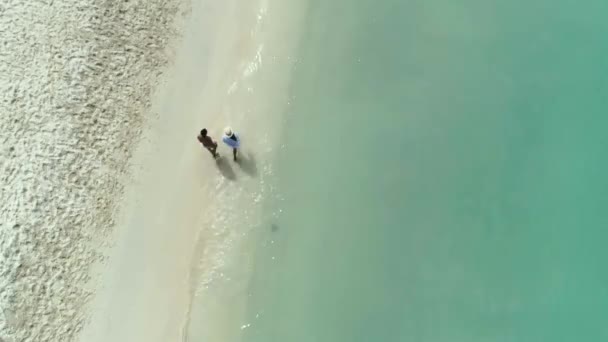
<point>152,266</point>
<point>259,100</point>
<point>187,242</point>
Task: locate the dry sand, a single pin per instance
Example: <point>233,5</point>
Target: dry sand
<point>76,78</point>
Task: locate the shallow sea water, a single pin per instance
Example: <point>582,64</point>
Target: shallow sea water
<point>442,179</point>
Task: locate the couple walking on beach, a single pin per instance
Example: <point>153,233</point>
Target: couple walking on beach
<point>229,138</point>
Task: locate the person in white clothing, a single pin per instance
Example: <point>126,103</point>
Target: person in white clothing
<point>231,139</point>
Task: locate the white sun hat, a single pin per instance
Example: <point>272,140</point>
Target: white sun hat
<point>228,131</point>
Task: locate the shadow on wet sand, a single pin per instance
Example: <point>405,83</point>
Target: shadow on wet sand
<point>247,163</point>
<point>223,164</point>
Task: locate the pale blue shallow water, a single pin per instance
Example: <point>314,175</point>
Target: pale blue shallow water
<point>444,176</point>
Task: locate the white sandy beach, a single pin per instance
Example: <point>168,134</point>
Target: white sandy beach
<point>75,86</point>
<point>113,217</point>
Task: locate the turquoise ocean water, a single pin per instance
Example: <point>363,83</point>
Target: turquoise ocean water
<point>443,176</point>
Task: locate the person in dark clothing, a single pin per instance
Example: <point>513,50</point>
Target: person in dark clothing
<point>208,143</point>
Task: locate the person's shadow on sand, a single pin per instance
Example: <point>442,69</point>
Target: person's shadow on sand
<point>223,165</point>
<point>247,163</point>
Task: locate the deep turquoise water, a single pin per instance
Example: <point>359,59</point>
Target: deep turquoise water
<point>444,176</point>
